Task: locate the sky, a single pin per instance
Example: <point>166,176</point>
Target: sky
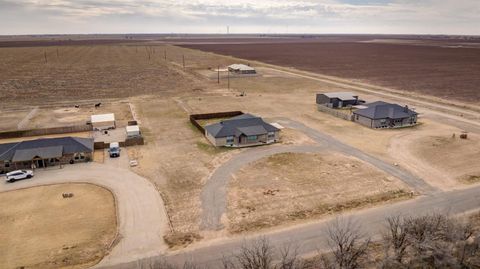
<point>457,17</point>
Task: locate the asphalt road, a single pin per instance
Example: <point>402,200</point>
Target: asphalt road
<point>213,197</point>
<point>311,238</point>
<point>140,209</point>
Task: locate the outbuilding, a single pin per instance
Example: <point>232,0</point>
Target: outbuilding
<point>103,121</point>
<point>241,69</point>
<point>337,99</point>
<point>133,131</point>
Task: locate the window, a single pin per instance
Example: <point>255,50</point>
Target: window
<point>230,140</point>
<point>7,164</point>
<point>271,135</point>
<point>252,138</point>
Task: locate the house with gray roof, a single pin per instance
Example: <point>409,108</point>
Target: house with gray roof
<point>242,131</point>
<point>337,99</point>
<point>44,152</point>
<point>385,115</point>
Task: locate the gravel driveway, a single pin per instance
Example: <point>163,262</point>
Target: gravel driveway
<point>213,197</point>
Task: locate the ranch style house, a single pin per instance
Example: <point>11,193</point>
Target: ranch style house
<point>44,153</point>
<point>242,131</point>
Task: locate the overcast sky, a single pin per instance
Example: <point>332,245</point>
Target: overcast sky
<point>247,16</point>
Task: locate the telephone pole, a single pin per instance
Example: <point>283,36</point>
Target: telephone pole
<point>218,74</point>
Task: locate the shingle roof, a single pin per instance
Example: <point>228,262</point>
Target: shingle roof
<point>244,124</point>
<point>42,153</point>
<point>383,110</point>
<point>69,145</point>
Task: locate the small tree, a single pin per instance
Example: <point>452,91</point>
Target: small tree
<point>347,243</point>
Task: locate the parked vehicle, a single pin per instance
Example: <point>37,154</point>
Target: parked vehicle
<point>114,150</point>
<point>18,175</point>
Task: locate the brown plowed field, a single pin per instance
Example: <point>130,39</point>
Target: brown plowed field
<point>443,70</point>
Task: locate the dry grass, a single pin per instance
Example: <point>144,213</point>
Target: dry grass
<point>40,229</point>
<point>451,156</point>
<point>179,239</point>
<point>294,186</point>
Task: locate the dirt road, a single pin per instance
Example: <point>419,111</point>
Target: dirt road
<point>214,192</point>
<point>141,215</point>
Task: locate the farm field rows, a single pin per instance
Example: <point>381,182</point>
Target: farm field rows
<point>439,69</point>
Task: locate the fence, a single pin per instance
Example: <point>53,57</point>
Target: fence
<point>132,141</point>
<point>335,112</point>
<point>46,131</point>
<point>207,116</point>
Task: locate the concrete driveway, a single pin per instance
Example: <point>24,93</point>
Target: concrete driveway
<point>140,209</point>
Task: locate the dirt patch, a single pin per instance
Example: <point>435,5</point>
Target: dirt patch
<point>454,157</point>
<point>41,229</point>
<point>293,186</point>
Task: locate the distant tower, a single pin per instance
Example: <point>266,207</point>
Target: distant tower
<point>228,30</point>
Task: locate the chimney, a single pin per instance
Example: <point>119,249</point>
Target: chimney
<point>405,109</point>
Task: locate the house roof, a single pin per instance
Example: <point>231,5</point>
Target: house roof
<point>45,147</point>
<point>383,110</point>
<point>103,117</point>
<point>241,67</point>
<point>42,153</point>
<point>341,95</point>
<point>246,124</point>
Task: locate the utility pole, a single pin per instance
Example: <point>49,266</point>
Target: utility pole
<point>228,79</point>
<point>183,58</point>
<point>45,56</point>
<point>57,52</point>
<point>165,53</point>
<point>218,74</point>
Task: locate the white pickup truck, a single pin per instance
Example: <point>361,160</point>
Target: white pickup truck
<point>18,175</point>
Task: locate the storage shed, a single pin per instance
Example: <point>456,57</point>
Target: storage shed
<point>103,121</point>
<point>133,131</point>
<point>241,69</point>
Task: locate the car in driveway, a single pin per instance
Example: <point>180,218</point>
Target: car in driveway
<point>114,150</point>
<point>18,175</point>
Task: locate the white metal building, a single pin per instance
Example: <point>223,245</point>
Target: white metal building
<point>133,131</point>
<point>241,69</point>
<point>103,121</point>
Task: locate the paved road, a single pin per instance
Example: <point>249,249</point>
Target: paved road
<point>139,206</point>
<point>213,197</point>
<point>311,237</point>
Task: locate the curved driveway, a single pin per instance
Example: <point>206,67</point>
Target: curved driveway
<point>213,197</point>
<point>140,211</point>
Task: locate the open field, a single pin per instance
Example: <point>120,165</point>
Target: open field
<point>85,73</point>
<point>293,186</point>
<point>62,116</point>
<point>40,229</point>
<point>440,69</point>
